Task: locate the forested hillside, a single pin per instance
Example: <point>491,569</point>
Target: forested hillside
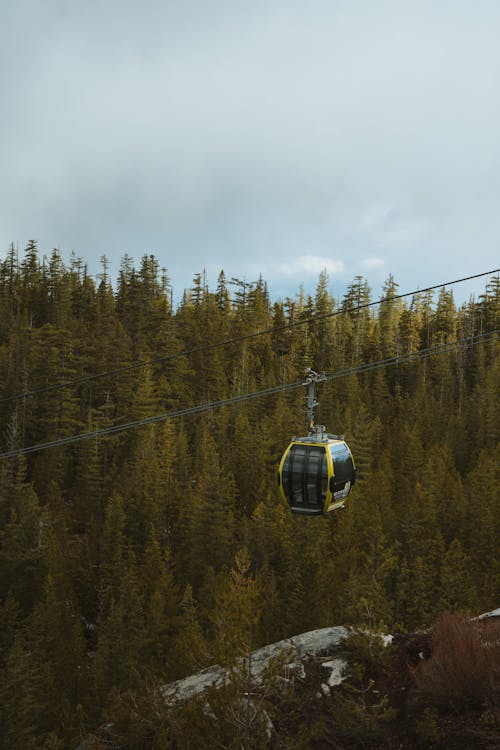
<point>146,555</point>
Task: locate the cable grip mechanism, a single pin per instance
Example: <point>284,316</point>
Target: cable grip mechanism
<point>310,381</point>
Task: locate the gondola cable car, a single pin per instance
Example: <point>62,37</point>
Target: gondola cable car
<point>317,472</point>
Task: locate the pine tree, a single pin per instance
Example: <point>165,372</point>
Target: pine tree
<point>21,549</point>
<point>444,322</point>
<point>482,526</point>
<point>117,660</point>
<point>113,554</point>
<point>20,703</point>
<point>190,647</point>
<point>214,514</point>
<point>161,610</point>
<point>10,618</point>
<point>389,317</point>
<point>355,325</point>
<point>236,613</point>
<point>368,599</point>
<point>457,589</point>
<point>222,294</point>
<point>422,549</point>
<point>240,721</point>
<point>322,332</point>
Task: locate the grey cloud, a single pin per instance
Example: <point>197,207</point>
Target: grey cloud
<point>217,132</point>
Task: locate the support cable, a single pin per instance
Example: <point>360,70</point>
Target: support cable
<point>239,339</point>
<point>359,369</point>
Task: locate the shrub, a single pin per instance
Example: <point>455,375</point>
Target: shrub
<point>463,670</point>
<point>366,652</point>
<point>428,729</point>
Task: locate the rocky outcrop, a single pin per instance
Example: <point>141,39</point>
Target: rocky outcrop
<point>315,645</point>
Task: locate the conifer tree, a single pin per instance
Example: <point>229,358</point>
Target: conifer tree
<point>236,613</point>
<point>136,518</point>
<point>355,325</point>
<point>222,294</point>
<point>235,619</point>
<point>214,513</point>
<point>444,321</point>
<point>21,547</point>
<point>457,589</point>
<point>161,610</point>
<point>113,553</point>
<point>190,650</point>
<point>117,660</point>
<point>20,703</point>
<point>368,599</point>
<point>389,317</point>
<point>482,526</point>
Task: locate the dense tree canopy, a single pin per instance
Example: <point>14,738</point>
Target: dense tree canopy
<point>116,552</point>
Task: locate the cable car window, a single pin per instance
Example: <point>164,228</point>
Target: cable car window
<point>316,458</point>
<point>324,477</point>
<point>286,474</point>
<point>342,462</point>
<point>298,456</point>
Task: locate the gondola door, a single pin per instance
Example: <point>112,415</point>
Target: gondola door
<point>305,478</point>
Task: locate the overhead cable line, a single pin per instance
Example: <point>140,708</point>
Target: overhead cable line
<point>239,339</point>
<point>359,369</point>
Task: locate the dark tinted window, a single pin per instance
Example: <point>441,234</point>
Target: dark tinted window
<point>298,462</point>
<point>305,476</point>
<point>342,463</point>
<point>286,475</point>
<point>314,475</point>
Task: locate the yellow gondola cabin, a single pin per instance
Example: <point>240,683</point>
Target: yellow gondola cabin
<point>316,473</point>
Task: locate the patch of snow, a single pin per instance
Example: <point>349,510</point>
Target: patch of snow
<point>295,669</point>
<point>386,638</point>
<point>337,673</point>
<point>493,613</point>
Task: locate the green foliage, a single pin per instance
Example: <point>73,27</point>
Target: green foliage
<point>366,651</point>
<point>360,715</point>
<point>428,728</point>
<point>236,613</point>
<point>121,550</point>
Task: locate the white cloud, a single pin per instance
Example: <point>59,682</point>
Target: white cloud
<point>311,265</point>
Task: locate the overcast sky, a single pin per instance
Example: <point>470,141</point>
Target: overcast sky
<point>277,137</point>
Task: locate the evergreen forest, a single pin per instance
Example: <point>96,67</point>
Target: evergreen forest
<point>137,558</point>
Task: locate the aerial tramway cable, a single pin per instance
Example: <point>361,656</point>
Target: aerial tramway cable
<point>359,369</point>
<point>239,339</point>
